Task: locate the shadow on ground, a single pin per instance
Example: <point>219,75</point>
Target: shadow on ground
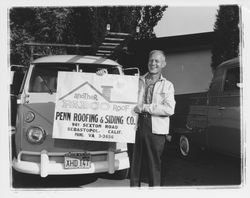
<point>208,169</point>
<point>21,180</point>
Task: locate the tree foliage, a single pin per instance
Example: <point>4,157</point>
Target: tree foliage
<point>149,17</point>
<point>76,25</point>
<point>35,25</point>
<point>226,28</point>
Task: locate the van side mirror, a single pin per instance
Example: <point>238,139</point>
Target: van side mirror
<point>132,71</point>
<point>17,73</point>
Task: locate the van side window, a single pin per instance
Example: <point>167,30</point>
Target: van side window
<point>232,79</point>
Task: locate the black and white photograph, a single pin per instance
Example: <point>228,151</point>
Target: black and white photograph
<point>131,97</point>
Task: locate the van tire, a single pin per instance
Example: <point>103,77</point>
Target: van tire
<point>121,174</point>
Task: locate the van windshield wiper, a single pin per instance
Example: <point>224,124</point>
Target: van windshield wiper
<point>46,84</point>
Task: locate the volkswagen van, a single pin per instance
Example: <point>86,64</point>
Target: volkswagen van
<point>34,149</point>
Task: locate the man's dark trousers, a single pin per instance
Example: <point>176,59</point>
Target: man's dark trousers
<point>147,153</point>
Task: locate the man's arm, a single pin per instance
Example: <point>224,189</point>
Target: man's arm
<point>141,91</point>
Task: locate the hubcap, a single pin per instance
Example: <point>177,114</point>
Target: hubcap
<point>184,145</point>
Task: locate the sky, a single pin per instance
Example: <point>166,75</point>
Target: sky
<point>186,20</point>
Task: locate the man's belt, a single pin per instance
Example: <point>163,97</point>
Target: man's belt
<point>145,115</point>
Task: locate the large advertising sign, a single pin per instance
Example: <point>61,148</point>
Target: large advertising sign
<point>95,108</point>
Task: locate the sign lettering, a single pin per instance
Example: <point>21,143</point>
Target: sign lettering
<point>95,108</point>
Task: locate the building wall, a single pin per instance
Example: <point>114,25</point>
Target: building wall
<point>189,71</point>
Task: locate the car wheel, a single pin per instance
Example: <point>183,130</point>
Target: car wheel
<point>186,148</point>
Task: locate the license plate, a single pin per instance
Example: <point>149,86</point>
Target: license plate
<point>77,160</point>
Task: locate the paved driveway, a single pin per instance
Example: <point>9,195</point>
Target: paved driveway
<point>209,169</point>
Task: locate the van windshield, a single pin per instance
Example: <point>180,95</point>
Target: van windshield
<point>44,76</point>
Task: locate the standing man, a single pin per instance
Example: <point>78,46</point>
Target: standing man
<point>155,104</point>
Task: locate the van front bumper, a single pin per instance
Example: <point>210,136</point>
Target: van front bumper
<point>114,162</point>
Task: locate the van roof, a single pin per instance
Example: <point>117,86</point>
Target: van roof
<point>75,59</point>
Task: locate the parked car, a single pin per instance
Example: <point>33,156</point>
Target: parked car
<point>34,149</point>
<point>211,120</point>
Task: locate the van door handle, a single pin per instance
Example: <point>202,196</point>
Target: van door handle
<point>221,108</point>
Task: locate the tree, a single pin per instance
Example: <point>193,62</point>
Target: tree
<point>35,25</point>
<point>89,23</point>
<point>149,17</point>
<point>76,25</point>
<point>21,21</point>
<point>226,28</point>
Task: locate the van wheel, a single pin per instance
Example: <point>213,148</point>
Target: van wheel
<point>186,148</point>
<point>121,174</point>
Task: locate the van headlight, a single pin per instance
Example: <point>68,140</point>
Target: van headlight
<point>36,135</point>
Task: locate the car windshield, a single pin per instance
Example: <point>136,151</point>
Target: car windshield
<point>44,76</point>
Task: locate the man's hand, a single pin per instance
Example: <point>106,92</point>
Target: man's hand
<point>138,109</point>
<point>101,72</point>
<point>168,138</point>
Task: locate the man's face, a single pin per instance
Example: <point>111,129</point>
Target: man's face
<point>156,63</point>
